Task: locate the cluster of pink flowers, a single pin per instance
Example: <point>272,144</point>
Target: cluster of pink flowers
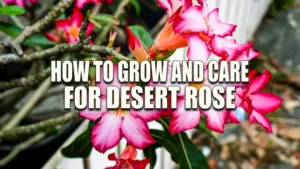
<point>201,30</point>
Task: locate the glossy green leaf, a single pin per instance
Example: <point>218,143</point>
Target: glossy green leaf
<point>81,147</point>
<point>106,18</point>
<point>142,35</point>
<point>11,10</point>
<point>10,29</point>
<point>95,22</point>
<point>150,153</point>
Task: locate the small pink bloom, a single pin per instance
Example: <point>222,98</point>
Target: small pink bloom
<point>258,103</point>
<point>136,46</point>
<point>21,3</point>
<point>80,3</point>
<point>128,160</point>
<point>68,29</point>
<point>115,124</point>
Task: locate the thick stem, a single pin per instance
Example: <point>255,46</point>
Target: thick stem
<point>26,81</point>
<point>14,133</point>
<point>29,105</point>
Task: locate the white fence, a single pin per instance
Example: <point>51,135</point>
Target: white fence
<point>247,14</point>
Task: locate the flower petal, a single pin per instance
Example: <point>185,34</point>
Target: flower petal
<point>107,133</point>
<point>136,46</point>
<point>129,153</point>
<point>146,115</point>
<point>52,37</point>
<point>260,119</point>
<point>81,3</point>
<point>89,29</point>
<point>183,119</point>
<point>112,157</point>
<point>259,82</point>
<point>216,27</point>
<point>94,114</point>
<point>265,102</point>
<point>77,17</point>
<point>115,82</point>
<point>215,119</point>
<point>198,49</point>
<point>190,21</point>
<point>138,164</point>
<point>136,131</point>
<point>169,5</point>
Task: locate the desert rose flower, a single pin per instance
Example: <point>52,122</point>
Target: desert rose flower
<point>80,3</point>
<point>136,47</point>
<point>128,160</point>
<point>21,3</point>
<point>257,103</point>
<point>68,29</point>
<point>115,124</point>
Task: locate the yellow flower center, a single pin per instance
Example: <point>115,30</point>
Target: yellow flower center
<point>197,85</point>
<point>120,112</point>
<point>204,37</point>
<point>74,31</point>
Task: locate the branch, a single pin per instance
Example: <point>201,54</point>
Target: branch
<point>61,49</point>
<point>20,147</point>
<point>38,127</point>
<point>25,82</point>
<point>57,11</point>
<point>28,106</point>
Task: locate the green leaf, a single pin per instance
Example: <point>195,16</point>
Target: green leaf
<point>150,153</point>
<point>106,18</point>
<point>95,22</point>
<point>81,147</point>
<point>11,10</point>
<point>136,5</point>
<point>202,127</point>
<point>35,40</point>
<point>38,40</point>
<point>10,29</point>
<point>191,156</point>
<point>142,35</point>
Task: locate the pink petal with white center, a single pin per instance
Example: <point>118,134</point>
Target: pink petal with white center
<point>138,164</point>
<point>136,46</point>
<point>77,17</point>
<point>115,82</point>
<point>215,119</point>
<point>197,49</point>
<point>204,8</point>
<point>232,117</point>
<point>190,21</point>
<point>259,82</point>
<point>227,47</point>
<point>260,119</point>
<point>107,133</point>
<point>216,27</point>
<point>169,5</point>
<point>94,114</point>
<point>146,115</point>
<point>136,132</point>
<point>265,102</point>
<point>183,119</point>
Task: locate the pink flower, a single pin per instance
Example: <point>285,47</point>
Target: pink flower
<point>21,3</point>
<point>167,39</point>
<point>80,3</point>
<point>136,47</point>
<point>200,27</point>
<point>258,103</point>
<point>68,29</point>
<point>115,124</point>
<point>128,160</point>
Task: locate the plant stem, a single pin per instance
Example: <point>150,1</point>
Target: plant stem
<point>29,105</point>
<point>38,127</point>
<point>20,147</point>
<point>59,9</point>
<point>26,81</point>
<point>86,163</point>
<point>105,31</point>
